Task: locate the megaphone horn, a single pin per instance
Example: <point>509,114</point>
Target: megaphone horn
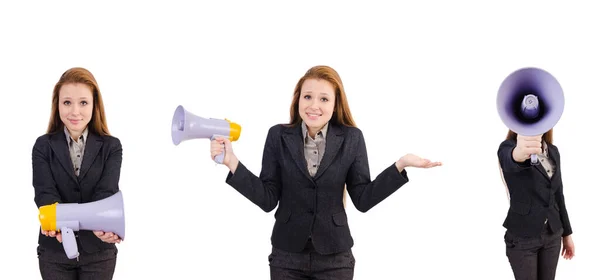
<point>530,102</point>
<point>186,125</point>
<point>105,215</point>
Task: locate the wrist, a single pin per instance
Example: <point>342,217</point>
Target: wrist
<point>400,165</point>
<point>233,164</point>
<point>517,157</point>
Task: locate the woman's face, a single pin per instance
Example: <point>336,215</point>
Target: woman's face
<point>75,107</point>
<point>317,101</point>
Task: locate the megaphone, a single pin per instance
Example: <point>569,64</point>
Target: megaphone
<point>530,102</point>
<point>105,215</point>
<point>186,125</point>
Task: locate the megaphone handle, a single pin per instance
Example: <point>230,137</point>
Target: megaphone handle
<point>534,159</point>
<point>69,242</point>
<point>219,158</point>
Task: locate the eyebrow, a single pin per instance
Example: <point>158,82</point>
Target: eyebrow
<point>322,93</point>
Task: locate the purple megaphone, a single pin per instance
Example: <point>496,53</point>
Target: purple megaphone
<point>185,126</point>
<point>105,215</point>
<point>530,102</point>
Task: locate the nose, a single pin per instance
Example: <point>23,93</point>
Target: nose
<point>75,110</point>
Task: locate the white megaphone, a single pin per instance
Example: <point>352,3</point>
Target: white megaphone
<point>186,125</point>
<point>104,215</point>
<point>530,102</point>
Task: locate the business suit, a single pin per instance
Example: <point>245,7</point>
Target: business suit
<point>54,180</point>
<point>312,206</point>
<point>537,217</point>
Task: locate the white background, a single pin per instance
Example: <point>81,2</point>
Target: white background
<point>420,78</point>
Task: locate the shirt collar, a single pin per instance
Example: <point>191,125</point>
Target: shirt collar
<point>323,130</point>
<point>82,137</point>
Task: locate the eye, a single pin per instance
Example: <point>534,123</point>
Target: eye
<point>67,102</point>
<point>324,99</point>
<point>84,103</point>
<point>307,96</point>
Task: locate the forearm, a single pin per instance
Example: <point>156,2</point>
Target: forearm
<point>366,194</point>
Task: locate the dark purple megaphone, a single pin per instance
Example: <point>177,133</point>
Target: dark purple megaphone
<point>530,102</point>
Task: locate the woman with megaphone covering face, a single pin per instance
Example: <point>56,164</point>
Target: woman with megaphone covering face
<point>537,222</point>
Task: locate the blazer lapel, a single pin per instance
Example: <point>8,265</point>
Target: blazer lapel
<point>334,140</point>
<point>59,145</point>
<point>540,168</point>
<point>292,137</point>
<point>92,147</point>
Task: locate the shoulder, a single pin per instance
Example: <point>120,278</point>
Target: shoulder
<point>279,128</point>
<point>110,141</point>
<point>554,147</point>
<point>508,143</point>
<point>351,131</point>
<point>43,140</point>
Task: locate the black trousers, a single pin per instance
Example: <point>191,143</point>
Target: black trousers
<point>534,258</point>
<point>309,264</point>
<point>98,266</point>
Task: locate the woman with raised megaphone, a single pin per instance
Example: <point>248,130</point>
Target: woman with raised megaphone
<point>76,161</point>
<point>308,179</point>
<point>537,222</point>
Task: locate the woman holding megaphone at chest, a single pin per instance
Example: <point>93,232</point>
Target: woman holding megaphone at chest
<point>307,166</point>
<point>537,222</point>
<point>76,161</point>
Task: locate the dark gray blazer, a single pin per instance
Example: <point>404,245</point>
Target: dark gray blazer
<point>54,179</point>
<point>313,206</point>
<point>533,195</point>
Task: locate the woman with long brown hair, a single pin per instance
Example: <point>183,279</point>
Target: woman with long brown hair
<point>307,164</point>
<point>76,161</point>
<point>537,222</point>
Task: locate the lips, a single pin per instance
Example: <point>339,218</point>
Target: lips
<point>313,116</point>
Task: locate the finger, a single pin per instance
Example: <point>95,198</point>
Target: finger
<point>59,237</point>
<point>99,233</point>
<point>532,144</point>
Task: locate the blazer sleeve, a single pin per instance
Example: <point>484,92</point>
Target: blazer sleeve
<point>505,157</point>
<point>109,180</point>
<point>365,194</point>
<point>43,182</point>
<point>264,190</point>
<point>560,199</point>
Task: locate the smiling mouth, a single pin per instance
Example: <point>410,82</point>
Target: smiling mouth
<point>313,115</point>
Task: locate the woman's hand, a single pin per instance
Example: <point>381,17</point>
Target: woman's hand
<point>52,233</point>
<point>107,237</point>
<point>527,146</point>
<point>220,145</point>
<point>568,250</point>
<point>410,160</point>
